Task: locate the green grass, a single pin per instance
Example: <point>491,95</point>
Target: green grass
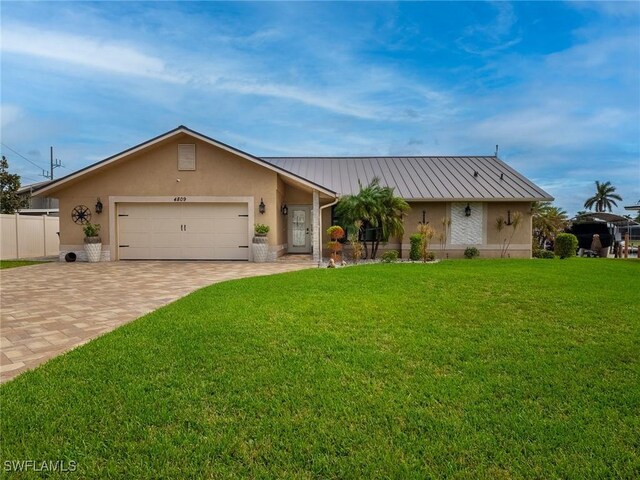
<point>462,369</point>
<point>17,263</point>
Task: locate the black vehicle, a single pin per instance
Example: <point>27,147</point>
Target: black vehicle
<point>585,231</point>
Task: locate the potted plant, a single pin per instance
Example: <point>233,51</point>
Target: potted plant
<point>92,242</point>
<point>260,243</point>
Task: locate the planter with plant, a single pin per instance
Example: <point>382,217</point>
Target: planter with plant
<point>92,241</point>
<point>260,243</point>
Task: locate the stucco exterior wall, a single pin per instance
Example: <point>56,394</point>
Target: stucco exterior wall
<point>154,172</point>
<point>435,212</point>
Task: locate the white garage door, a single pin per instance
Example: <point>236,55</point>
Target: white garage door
<point>187,231</point>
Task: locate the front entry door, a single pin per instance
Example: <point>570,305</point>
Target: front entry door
<point>299,236</point>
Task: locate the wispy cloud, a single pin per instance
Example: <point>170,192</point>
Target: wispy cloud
<point>488,38</point>
<point>85,51</point>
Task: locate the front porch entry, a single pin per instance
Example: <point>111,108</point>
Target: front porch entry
<point>299,229</point>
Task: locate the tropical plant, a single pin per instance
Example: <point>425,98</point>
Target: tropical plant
<point>426,234</point>
<point>566,245</point>
<point>91,229</point>
<point>501,224</point>
<point>261,229</point>
<point>442,236</point>
<point>10,201</point>
<point>547,221</point>
<point>356,245</point>
<point>379,211</point>
<point>604,198</point>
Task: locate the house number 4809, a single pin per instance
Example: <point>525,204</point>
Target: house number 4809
<point>179,199</point>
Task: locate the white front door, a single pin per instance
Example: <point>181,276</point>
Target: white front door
<point>299,237</point>
<point>187,231</point>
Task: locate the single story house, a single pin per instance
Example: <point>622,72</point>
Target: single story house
<point>184,195</point>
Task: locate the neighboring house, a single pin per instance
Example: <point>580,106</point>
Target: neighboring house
<point>183,195</point>
<point>37,205</point>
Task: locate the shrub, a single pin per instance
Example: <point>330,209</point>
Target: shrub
<point>261,229</point>
<point>429,257</point>
<point>426,234</point>
<point>414,253</point>
<point>471,252</point>
<point>91,229</point>
<point>566,245</point>
<point>390,256</point>
<point>335,232</point>
<point>540,253</point>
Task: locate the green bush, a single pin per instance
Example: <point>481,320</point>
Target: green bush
<point>390,256</point>
<point>471,252</point>
<point>566,245</point>
<point>261,229</point>
<point>414,253</point>
<point>540,253</point>
<point>91,229</point>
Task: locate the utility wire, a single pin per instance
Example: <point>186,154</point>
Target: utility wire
<point>22,156</point>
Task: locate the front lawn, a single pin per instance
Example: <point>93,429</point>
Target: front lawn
<point>461,369</point>
<point>17,263</point>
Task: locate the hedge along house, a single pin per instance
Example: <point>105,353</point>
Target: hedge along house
<point>183,195</point>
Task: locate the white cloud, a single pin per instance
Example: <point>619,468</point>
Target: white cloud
<point>85,51</point>
<point>9,114</point>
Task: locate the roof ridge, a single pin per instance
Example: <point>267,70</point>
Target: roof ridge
<point>383,156</point>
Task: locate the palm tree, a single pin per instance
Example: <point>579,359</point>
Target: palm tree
<point>548,220</point>
<point>604,197</point>
<point>379,212</point>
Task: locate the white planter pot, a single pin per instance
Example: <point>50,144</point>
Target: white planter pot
<point>260,249</point>
<point>93,250</point>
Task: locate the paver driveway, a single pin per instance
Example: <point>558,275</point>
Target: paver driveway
<point>50,308</point>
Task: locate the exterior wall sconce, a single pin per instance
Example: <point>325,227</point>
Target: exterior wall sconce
<point>467,210</point>
<point>508,222</point>
<point>98,206</point>
<point>284,209</point>
<point>261,207</point>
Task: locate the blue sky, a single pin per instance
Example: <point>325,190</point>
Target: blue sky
<point>556,85</point>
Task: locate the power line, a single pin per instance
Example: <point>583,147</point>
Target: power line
<point>22,156</point>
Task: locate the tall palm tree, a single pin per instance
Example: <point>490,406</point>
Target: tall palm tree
<point>604,197</point>
<point>379,211</point>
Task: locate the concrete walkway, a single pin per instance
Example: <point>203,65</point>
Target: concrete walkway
<point>50,308</point>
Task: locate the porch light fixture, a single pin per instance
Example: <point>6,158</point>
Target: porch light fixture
<point>261,207</point>
<point>467,210</point>
<point>98,206</point>
<point>284,209</point>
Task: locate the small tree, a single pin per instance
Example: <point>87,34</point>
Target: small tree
<point>501,224</point>
<point>10,201</point>
<point>566,245</point>
<point>335,232</point>
<point>442,236</point>
<point>354,240</point>
<point>426,235</point>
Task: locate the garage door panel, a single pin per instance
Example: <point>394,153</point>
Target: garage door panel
<point>231,253</point>
<point>183,231</point>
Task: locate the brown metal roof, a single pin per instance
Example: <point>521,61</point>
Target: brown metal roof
<point>418,178</point>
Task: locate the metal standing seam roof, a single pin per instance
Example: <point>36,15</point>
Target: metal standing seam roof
<point>418,178</point>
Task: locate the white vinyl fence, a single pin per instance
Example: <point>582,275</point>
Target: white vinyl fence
<point>28,236</point>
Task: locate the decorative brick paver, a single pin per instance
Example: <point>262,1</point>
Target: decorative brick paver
<point>50,308</point>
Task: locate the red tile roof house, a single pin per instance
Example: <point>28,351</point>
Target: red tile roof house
<point>184,195</point>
